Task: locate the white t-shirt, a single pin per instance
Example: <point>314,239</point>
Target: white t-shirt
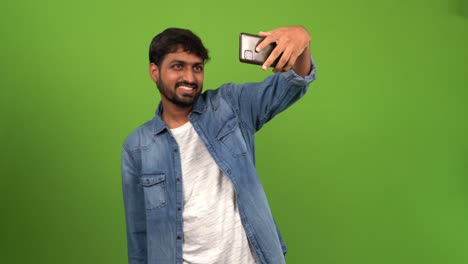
<point>213,232</point>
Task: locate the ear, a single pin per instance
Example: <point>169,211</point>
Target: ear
<point>154,72</point>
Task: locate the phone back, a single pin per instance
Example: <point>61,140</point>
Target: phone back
<point>247,53</point>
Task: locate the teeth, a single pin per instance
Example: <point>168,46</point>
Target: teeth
<point>186,87</point>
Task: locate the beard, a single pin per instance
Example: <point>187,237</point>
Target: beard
<point>171,95</point>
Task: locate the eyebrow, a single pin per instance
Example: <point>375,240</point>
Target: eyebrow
<point>185,62</point>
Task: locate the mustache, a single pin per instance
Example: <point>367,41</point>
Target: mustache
<point>189,84</point>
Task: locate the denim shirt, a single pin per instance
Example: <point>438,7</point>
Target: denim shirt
<point>226,120</point>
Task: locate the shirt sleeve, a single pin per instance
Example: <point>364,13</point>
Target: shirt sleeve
<point>134,210</point>
<point>258,103</point>
<point>293,76</point>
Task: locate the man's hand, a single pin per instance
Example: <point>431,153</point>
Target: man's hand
<point>292,44</point>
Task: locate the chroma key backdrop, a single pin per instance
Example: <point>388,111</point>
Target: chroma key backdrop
<point>370,167</point>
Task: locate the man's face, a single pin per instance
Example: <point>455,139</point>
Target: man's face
<point>179,78</point>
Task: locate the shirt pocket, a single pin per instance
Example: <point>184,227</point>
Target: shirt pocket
<point>154,186</point>
<point>230,136</point>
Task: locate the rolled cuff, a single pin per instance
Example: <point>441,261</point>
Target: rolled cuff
<point>292,76</point>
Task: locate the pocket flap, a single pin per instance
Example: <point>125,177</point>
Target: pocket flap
<point>152,179</point>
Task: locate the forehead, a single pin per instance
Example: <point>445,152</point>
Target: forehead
<point>183,56</point>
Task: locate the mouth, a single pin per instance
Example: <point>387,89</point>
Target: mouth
<point>186,85</point>
<point>187,88</point>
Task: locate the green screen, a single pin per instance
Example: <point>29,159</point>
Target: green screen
<point>369,167</point>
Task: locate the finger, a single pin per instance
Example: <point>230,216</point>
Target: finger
<point>292,59</point>
<point>265,42</point>
<point>269,37</point>
<point>283,61</point>
<point>273,55</point>
<point>291,62</point>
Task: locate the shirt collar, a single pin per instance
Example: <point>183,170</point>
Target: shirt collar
<point>159,125</point>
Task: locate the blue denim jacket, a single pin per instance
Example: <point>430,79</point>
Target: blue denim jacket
<point>226,120</point>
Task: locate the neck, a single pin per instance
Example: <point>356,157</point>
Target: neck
<point>175,116</point>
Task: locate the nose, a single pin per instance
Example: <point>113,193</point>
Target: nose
<point>189,75</point>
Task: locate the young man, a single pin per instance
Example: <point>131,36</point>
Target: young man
<point>191,191</point>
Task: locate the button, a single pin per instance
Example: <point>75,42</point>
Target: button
<point>178,237</point>
<point>175,150</point>
<point>178,209</point>
<point>178,179</point>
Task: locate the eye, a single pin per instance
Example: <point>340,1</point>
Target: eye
<point>198,68</point>
<point>177,66</point>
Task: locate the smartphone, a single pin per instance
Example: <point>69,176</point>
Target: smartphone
<point>247,53</point>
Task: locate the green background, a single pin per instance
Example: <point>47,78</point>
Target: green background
<point>370,167</point>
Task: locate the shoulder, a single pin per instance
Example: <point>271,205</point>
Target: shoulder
<point>214,97</point>
<point>140,137</point>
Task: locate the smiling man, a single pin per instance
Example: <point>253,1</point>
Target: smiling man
<point>191,191</point>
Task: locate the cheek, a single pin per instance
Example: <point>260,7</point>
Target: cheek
<point>200,78</point>
<point>170,79</point>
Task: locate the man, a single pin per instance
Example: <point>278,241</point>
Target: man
<point>190,187</point>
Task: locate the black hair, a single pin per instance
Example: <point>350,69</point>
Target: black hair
<point>172,39</point>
